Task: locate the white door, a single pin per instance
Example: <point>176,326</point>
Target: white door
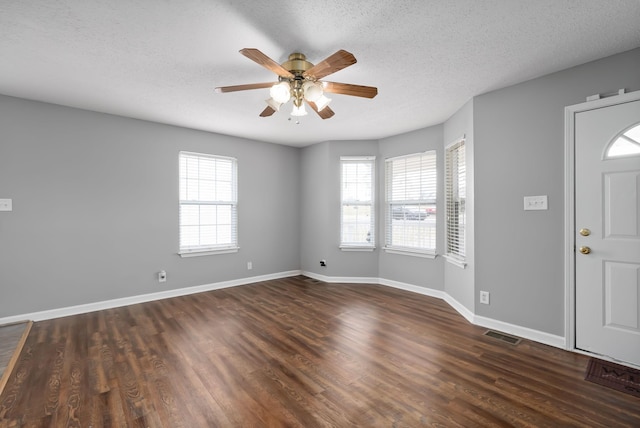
<point>607,257</point>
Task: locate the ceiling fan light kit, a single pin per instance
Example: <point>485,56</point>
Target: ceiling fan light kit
<point>299,80</point>
<point>273,104</point>
<point>312,90</point>
<point>298,110</point>
<point>322,102</point>
<point>280,92</point>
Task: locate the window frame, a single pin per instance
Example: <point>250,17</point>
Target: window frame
<point>231,201</point>
<point>432,184</point>
<point>371,203</point>
<point>455,189</point>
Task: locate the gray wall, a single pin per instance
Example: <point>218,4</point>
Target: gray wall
<point>519,151</point>
<point>320,233</point>
<point>95,207</point>
<point>315,210</point>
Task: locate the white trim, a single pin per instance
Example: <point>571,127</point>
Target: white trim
<point>198,253</point>
<point>409,155</point>
<point>455,261</point>
<point>357,158</point>
<point>524,332</point>
<point>206,155</point>
<point>569,206</point>
<point>460,308</point>
<point>455,249</point>
<point>356,248</point>
<point>430,180</point>
<point>409,252</point>
<point>456,141</point>
<point>372,235</point>
<point>569,228</point>
<point>341,279</point>
<point>231,201</point>
<point>316,276</point>
<point>425,291</point>
<point>125,301</point>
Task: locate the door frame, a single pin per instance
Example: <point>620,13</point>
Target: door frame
<point>569,208</point>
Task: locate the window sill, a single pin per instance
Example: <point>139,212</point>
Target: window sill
<point>356,248</point>
<point>198,253</point>
<point>455,261</point>
<point>410,252</point>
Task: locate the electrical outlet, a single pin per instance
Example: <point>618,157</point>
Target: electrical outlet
<point>484,297</point>
<point>162,276</point>
<point>249,265</point>
<point>6,205</point>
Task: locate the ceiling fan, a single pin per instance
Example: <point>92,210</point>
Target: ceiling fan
<point>299,80</point>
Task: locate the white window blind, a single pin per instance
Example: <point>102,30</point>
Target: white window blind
<point>357,207</point>
<point>208,204</point>
<point>410,187</point>
<point>455,200</point>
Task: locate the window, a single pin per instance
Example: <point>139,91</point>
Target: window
<point>455,201</point>
<point>208,204</point>
<point>411,204</point>
<point>357,207</point>
<point>626,144</point>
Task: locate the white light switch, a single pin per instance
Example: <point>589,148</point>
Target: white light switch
<point>6,205</point>
<point>535,203</point>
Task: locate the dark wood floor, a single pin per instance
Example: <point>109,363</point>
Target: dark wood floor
<point>299,353</point>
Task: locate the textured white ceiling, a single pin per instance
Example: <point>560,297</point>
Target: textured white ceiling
<point>160,60</point>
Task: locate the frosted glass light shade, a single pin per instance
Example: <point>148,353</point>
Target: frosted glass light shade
<point>322,102</point>
<point>280,92</point>
<point>273,104</point>
<point>299,111</point>
<point>312,91</point>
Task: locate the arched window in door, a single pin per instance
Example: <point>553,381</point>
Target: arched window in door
<point>626,143</point>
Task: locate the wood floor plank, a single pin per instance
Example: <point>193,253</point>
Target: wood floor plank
<point>297,352</point>
<point>12,339</point>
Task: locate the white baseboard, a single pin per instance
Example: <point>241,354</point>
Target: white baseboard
<point>524,332</point>
<point>425,291</point>
<point>125,301</point>
<point>343,279</point>
<point>516,330</point>
<point>460,308</point>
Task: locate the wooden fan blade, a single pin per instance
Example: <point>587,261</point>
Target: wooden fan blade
<point>336,62</point>
<point>325,113</point>
<point>349,89</point>
<point>260,58</point>
<point>222,89</point>
<point>268,111</point>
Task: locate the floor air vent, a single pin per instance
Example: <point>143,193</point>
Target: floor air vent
<point>512,340</point>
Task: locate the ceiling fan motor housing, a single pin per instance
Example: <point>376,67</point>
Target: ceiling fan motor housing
<point>297,64</point>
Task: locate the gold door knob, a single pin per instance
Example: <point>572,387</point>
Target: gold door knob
<point>585,232</point>
<point>585,250</point>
